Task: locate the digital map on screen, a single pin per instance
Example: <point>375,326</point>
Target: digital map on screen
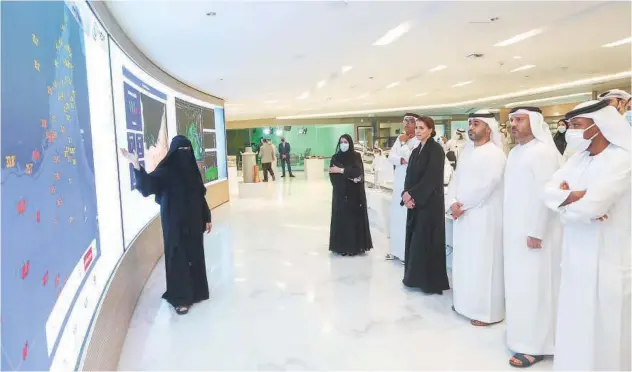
<point>50,232</point>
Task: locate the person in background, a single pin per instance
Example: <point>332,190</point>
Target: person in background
<point>349,233</point>
<point>177,185</point>
<point>560,136</point>
<point>398,156</point>
<point>475,202</point>
<point>284,152</point>
<point>443,141</point>
<point>457,143</point>
<point>532,239</point>
<point>621,100</point>
<point>425,223</point>
<point>268,157</point>
<point>617,98</point>
<point>591,194</point>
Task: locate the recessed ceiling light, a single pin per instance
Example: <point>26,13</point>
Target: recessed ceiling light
<point>438,68</point>
<point>420,94</point>
<point>627,40</point>
<point>556,114</point>
<point>393,34</point>
<point>392,85</point>
<point>321,84</point>
<point>517,57</point>
<point>303,96</point>
<point>463,83</point>
<point>346,69</point>
<point>519,37</point>
<point>521,93</point>
<point>522,68</point>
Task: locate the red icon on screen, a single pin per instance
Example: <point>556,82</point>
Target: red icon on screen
<point>45,279</point>
<point>38,216</point>
<point>25,269</point>
<point>25,350</point>
<point>21,206</point>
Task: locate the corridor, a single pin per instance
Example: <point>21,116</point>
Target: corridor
<point>280,301</point>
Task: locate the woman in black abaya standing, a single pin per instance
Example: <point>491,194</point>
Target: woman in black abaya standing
<point>425,224</point>
<point>349,233</point>
<point>177,185</point>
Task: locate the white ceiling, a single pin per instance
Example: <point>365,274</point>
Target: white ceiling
<point>260,56</point>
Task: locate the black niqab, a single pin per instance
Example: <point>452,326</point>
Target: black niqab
<point>178,188</point>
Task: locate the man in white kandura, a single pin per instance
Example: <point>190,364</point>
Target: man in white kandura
<point>400,152</point>
<point>457,143</point>
<point>475,202</point>
<point>591,193</point>
<point>532,236</point>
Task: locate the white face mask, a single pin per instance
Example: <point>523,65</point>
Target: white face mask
<point>576,141</point>
<point>561,129</point>
<point>628,116</point>
<point>344,147</point>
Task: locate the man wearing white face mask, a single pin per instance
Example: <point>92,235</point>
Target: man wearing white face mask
<point>619,99</point>
<point>591,193</point>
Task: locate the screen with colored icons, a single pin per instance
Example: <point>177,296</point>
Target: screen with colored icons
<point>70,206</point>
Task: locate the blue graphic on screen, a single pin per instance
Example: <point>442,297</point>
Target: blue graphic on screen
<point>49,208</point>
<point>220,130</point>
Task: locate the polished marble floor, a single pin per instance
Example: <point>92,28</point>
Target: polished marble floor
<point>280,301</point>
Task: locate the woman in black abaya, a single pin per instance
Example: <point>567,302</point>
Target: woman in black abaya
<point>178,188</point>
<point>349,233</point>
<point>425,224</point>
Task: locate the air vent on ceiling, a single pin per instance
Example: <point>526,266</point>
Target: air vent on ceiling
<point>475,56</point>
<point>491,20</point>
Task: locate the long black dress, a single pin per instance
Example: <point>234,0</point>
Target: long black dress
<point>425,224</point>
<point>349,232</point>
<point>178,187</point>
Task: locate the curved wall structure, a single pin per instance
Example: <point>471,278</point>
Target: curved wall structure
<point>78,241</point>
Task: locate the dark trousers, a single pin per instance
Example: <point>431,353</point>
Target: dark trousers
<point>289,166</point>
<point>267,167</point>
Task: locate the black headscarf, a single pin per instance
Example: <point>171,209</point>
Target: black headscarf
<point>180,162</point>
<point>341,158</point>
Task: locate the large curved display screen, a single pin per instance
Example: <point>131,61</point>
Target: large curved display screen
<point>70,98</point>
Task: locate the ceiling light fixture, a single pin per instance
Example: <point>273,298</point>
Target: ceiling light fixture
<point>462,84</point>
<point>627,40</point>
<point>321,84</point>
<point>519,37</point>
<point>393,34</point>
<point>540,90</point>
<point>392,85</point>
<point>521,103</point>
<point>438,68</point>
<point>303,96</point>
<point>517,57</point>
<point>522,68</point>
<point>346,69</point>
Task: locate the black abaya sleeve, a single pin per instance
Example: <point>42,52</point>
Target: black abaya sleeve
<point>355,168</point>
<point>207,211</point>
<point>431,179</point>
<point>149,183</point>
